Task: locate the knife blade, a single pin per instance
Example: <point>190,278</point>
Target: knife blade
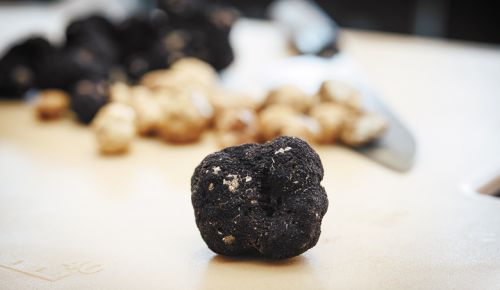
<point>397,147</point>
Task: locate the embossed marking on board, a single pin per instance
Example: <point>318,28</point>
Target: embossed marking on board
<point>37,271</point>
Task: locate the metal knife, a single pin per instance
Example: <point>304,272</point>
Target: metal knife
<point>396,148</point>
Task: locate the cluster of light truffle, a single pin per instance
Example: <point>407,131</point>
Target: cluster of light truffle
<point>335,113</point>
<point>180,103</point>
<point>177,104</point>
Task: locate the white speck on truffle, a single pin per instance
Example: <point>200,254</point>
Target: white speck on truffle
<point>232,184</point>
<point>248,179</point>
<point>283,150</point>
<point>216,170</point>
<point>211,186</point>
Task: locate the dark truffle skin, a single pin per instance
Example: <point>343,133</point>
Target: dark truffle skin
<point>260,200</point>
<point>70,65</point>
<point>137,34</point>
<point>20,66</point>
<point>87,97</point>
<point>96,34</point>
<point>207,27</point>
<point>179,11</point>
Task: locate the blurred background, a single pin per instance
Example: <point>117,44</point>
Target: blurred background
<point>455,19</point>
<point>62,44</point>
<point>133,34</point>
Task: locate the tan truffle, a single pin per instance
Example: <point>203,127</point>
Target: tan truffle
<point>185,116</point>
<point>363,128</point>
<point>289,95</point>
<point>272,120</point>
<point>223,100</point>
<point>149,114</point>
<point>143,101</point>
<point>340,93</point>
<point>114,128</point>
<point>184,74</point>
<point>158,79</point>
<point>52,104</point>
<point>235,127</point>
<point>196,70</point>
<point>331,118</point>
<point>119,93</point>
<point>277,120</point>
<point>302,126</point>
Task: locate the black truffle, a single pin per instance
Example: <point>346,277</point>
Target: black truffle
<point>87,97</point>
<point>137,65</point>
<point>20,66</point>
<point>260,200</point>
<point>220,21</point>
<point>71,64</point>
<point>181,11</point>
<point>97,35</point>
<point>137,34</point>
<point>204,28</point>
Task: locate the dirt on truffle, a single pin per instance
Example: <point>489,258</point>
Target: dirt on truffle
<point>260,199</point>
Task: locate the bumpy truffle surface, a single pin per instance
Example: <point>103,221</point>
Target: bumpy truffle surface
<point>260,200</point>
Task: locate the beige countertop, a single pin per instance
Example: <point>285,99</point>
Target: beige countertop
<point>72,219</point>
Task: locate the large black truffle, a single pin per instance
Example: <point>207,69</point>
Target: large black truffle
<point>260,200</point>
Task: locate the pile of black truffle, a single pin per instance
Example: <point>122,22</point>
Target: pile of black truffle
<point>97,51</point>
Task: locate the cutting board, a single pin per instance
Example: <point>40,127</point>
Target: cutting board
<point>73,219</point>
